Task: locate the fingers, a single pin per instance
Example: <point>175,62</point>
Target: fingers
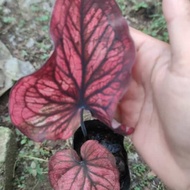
<point>140,38</point>
<point>144,42</point>
<point>177,14</point>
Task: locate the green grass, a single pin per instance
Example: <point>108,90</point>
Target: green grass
<point>155,25</point>
<point>122,5</point>
<point>31,166</point>
<point>142,176</point>
<point>31,163</point>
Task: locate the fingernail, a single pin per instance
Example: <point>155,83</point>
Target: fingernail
<point>124,130</point>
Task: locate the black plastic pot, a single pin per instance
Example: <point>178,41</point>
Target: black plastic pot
<point>97,130</point>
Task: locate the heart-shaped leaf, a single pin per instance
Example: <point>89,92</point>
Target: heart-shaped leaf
<point>89,69</point>
<point>96,169</point>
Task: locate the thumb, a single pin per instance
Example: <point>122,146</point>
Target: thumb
<point>177,15</point>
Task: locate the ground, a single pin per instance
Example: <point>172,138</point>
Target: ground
<point>24,30</point>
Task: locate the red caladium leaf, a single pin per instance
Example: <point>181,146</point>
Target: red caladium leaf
<point>89,69</point>
<point>96,169</point>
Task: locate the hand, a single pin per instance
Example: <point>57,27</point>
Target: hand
<point>157,103</point>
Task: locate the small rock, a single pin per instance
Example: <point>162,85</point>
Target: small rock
<point>2,2</point>
<point>11,69</point>
<point>30,43</point>
<point>6,10</point>
<point>4,53</point>
<point>5,83</point>
<point>2,76</point>
<point>16,69</point>
<point>12,40</point>
<point>47,6</point>
<point>7,158</point>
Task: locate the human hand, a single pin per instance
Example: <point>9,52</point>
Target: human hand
<point>157,103</point>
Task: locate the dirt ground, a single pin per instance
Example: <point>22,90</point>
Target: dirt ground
<point>25,33</point>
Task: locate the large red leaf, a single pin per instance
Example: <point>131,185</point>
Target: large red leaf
<point>96,171</point>
<point>89,69</point>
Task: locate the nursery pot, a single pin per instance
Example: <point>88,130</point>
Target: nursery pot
<point>97,130</point>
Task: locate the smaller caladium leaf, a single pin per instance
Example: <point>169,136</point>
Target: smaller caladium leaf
<point>96,170</point>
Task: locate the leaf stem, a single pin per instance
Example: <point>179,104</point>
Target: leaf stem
<point>82,124</point>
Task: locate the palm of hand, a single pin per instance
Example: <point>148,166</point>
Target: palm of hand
<point>157,106</point>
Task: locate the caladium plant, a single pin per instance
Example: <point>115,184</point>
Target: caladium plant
<point>89,69</point>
